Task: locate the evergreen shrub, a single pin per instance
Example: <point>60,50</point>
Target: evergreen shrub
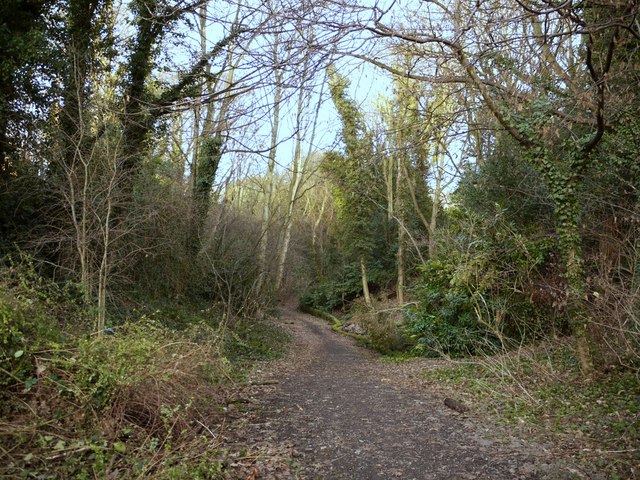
<point>444,319</point>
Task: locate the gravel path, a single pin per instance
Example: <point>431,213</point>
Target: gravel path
<point>344,414</point>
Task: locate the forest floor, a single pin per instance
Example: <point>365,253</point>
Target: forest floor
<point>332,409</point>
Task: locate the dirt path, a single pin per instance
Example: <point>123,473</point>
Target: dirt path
<point>343,414</point>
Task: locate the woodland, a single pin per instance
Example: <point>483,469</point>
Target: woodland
<point>451,178</point>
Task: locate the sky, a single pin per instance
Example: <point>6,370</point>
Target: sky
<point>368,83</point>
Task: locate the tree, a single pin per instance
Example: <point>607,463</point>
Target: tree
<point>208,143</point>
<point>278,72</point>
<point>351,177</point>
<point>417,125</point>
<point>143,104</point>
<point>299,167</point>
<point>552,90</point>
<point>23,50</point>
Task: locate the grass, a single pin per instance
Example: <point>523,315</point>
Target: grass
<point>399,357</point>
<point>145,402</point>
<point>543,389</point>
<point>256,340</point>
<point>130,402</point>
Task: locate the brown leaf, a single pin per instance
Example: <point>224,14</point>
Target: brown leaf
<point>254,474</point>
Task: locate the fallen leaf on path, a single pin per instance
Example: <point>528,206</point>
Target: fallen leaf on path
<point>254,474</point>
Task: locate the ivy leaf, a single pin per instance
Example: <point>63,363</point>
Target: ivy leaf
<point>29,383</point>
<point>119,447</point>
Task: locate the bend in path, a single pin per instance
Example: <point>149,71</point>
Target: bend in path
<point>336,404</point>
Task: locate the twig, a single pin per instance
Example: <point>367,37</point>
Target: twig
<point>631,450</point>
<point>67,452</point>
<point>213,435</point>
<point>266,382</point>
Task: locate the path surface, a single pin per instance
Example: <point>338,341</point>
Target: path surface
<point>345,417</point>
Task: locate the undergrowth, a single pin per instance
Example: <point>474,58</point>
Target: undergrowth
<point>144,401</point>
<point>542,389</point>
<point>255,340</point>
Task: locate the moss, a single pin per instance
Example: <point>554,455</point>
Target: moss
<point>336,323</point>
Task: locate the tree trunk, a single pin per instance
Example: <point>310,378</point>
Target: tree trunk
<point>439,159</point>
<point>266,210</point>
<point>400,259</point>
<point>399,208</point>
<point>105,266</point>
<point>365,283</point>
<point>293,196</point>
<point>299,167</point>
<point>317,255</point>
<point>414,198</point>
<point>388,165</point>
<point>567,212</point>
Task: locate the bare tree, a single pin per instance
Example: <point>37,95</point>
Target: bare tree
<point>546,73</point>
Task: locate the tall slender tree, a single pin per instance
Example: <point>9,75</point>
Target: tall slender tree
<point>351,176</point>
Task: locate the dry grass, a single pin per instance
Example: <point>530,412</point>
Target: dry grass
<point>143,401</point>
<point>541,390</point>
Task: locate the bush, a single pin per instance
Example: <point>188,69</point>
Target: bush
<point>444,320</point>
<point>139,403</point>
<point>345,286</point>
<point>331,295</point>
<point>505,184</point>
<point>383,330</point>
<point>255,340</point>
<point>130,402</point>
<point>34,313</point>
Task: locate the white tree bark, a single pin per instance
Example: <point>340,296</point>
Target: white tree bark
<point>269,187</point>
<point>299,169</point>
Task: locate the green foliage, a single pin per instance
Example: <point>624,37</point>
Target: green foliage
<point>506,185</point>
<point>179,315</point>
<point>353,128</point>
<point>196,469</point>
<point>209,159</point>
<point>543,389</point>
<point>25,61</point>
<point>354,202</point>
<point>125,402</point>
<point>23,201</point>
<point>100,368</point>
<point>445,321</point>
<point>352,176</point>
<point>255,340</point>
<point>131,402</point>
<point>479,295</point>
<point>330,295</point>
<point>208,162</point>
<point>344,286</point>
<point>14,326</point>
<point>34,313</point>
<point>383,329</point>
